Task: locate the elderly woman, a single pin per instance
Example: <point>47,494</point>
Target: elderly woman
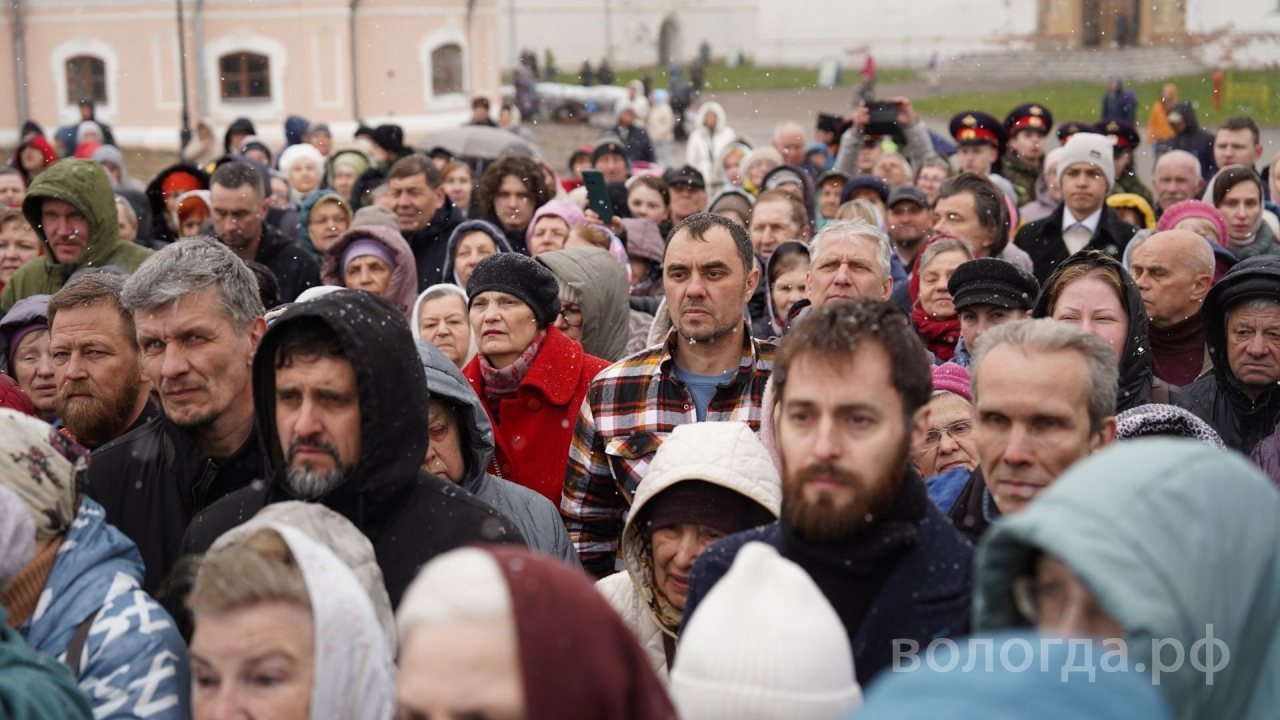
<point>1237,193</point>
<point>440,318</point>
<point>18,243</point>
<point>375,259</point>
<point>531,377</point>
<point>325,216</point>
<point>345,167</point>
<point>549,228</point>
<point>304,166</point>
<point>930,176</point>
<point>1204,220</point>
<point>284,629</point>
<point>948,452</point>
<point>932,312</point>
<point>469,243</point>
<point>547,644</point>
<point>707,481</point>
<point>80,597</point>
<point>24,339</point>
<point>1094,291</point>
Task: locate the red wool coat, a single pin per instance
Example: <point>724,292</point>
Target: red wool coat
<point>536,426</point>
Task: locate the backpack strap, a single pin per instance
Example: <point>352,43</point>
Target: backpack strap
<point>79,640</point>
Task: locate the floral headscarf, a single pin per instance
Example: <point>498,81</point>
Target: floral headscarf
<point>44,468</point>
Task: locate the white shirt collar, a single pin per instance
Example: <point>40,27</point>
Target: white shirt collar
<point>1091,222</point>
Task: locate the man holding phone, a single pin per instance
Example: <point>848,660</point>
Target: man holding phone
<point>851,157</point>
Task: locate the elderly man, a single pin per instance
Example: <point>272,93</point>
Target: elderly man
<point>1177,178</point>
<point>848,260</point>
<point>1044,393</point>
<point>102,392</point>
<point>788,140</point>
<point>1086,174</point>
<point>1240,398</point>
<point>776,218</point>
<point>1174,270</point>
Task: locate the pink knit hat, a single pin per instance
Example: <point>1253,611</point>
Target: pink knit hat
<point>568,212</point>
<point>1180,211</point>
<point>952,378</point>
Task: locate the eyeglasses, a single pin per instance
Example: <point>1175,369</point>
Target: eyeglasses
<point>571,315</point>
<point>958,430</point>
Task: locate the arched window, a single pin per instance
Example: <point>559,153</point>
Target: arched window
<point>86,79</point>
<point>446,69</point>
<point>245,76</point>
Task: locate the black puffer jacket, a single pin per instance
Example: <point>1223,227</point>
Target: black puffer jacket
<point>1218,397</point>
<point>408,515</point>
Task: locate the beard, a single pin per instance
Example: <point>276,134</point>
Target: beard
<point>821,519</point>
<point>103,416</point>
<point>308,483</point>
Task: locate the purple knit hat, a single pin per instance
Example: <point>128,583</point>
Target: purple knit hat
<point>367,246</point>
<point>568,212</point>
<point>1184,209</point>
<point>952,378</point>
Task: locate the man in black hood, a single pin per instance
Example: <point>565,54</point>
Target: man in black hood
<point>1240,398</point>
<point>341,401</point>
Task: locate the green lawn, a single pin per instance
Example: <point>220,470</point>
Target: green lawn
<point>1083,100</point>
<point>749,77</point>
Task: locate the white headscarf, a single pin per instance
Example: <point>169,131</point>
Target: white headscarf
<point>354,674</point>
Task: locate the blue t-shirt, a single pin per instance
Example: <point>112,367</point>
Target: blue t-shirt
<point>702,387</point>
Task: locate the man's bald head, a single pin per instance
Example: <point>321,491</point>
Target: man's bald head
<point>1173,270</point>
<point>1177,177</point>
<point>788,140</point>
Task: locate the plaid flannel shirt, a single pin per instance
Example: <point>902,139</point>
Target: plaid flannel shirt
<point>629,409</point>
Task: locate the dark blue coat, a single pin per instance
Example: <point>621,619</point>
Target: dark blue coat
<point>926,595</point>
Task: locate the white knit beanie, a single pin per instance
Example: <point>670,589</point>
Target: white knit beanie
<point>764,644</point>
<point>1090,149</point>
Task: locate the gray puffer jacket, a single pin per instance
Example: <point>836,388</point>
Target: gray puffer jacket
<point>539,521</point>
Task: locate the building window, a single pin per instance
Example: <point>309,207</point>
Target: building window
<point>245,76</point>
<point>446,69</point>
<point>86,79</point>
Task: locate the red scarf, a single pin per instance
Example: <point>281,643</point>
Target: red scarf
<point>940,336</point>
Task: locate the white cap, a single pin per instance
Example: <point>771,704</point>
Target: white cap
<point>1090,149</point>
<point>764,643</point>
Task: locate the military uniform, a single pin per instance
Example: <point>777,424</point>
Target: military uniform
<point>1126,138</point>
<point>1021,172</point>
<point>1071,127</point>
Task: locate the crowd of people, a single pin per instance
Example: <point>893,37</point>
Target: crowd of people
<point>797,430</point>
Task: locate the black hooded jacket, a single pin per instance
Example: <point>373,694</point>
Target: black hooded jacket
<point>294,267</point>
<point>1136,379</point>
<point>1217,397</point>
<point>409,516</point>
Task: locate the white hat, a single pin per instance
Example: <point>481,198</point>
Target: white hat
<point>764,643</point>
<point>1091,149</point>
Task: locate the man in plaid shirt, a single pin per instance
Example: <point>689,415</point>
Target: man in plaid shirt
<point>709,368</point>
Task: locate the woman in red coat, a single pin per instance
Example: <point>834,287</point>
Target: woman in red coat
<point>531,378</point>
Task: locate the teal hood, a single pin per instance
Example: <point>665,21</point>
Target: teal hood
<point>1171,536</point>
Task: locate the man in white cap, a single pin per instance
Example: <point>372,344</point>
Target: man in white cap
<point>1086,173</point>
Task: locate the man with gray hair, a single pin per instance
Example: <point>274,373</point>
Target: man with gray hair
<point>198,320</point>
<point>788,140</point>
<point>1174,271</point>
<point>1177,178</point>
<point>1240,398</point>
<point>849,260</point>
<point>1044,393</point>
